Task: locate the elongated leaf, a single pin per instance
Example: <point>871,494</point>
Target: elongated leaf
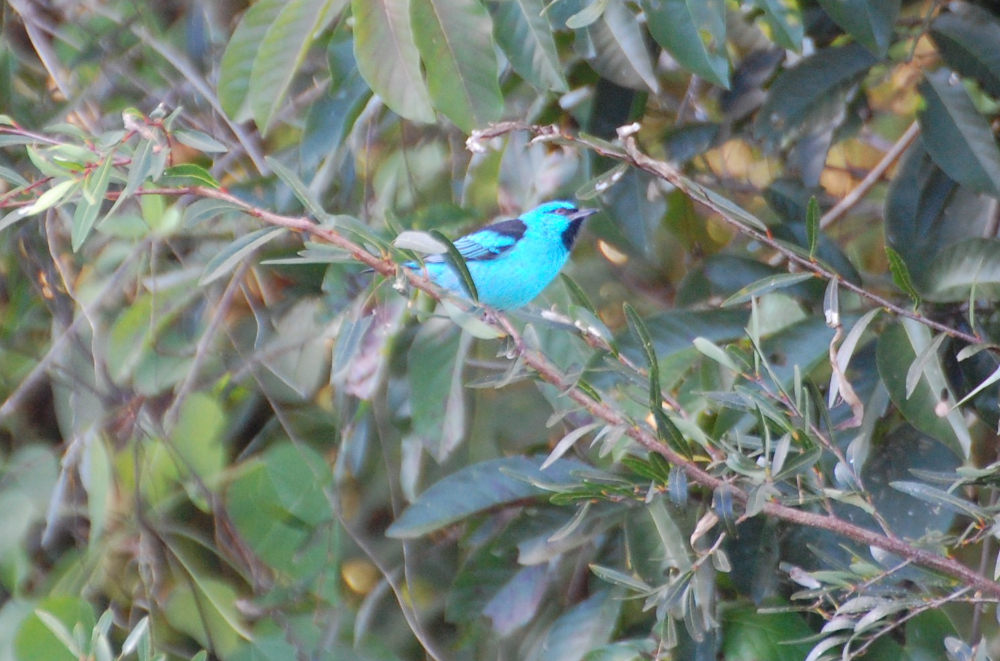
<point>193,174</point>
<point>927,211</point>
<point>869,21</point>
<point>694,32</point>
<point>299,188</point>
<point>766,285</point>
<point>522,31</point>
<point>457,262</point>
<point>199,140</point>
<point>956,136</point>
<point>940,498</point>
<point>578,630</point>
<point>227,259</point>
<point>900,345</point>
<point>436,361</point>
<point>969,41</point>
<point>812,94</point>
<point>588,15</point>
<point>962,267</point>
<point>89,206</point>
<point>812,226</point>
<point>456,45</point>
<point>784,19</point>
<point>901,275</point>
<point>51,197</point>
<point>388,58</point>
<point>241,51</point>
<point>619,49</point>
<point>281,52</point>
<point>638,327</point>
<point>567,441</point>
<point>476,488</point>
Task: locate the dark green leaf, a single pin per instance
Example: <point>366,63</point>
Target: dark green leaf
<point>458,263</point>
<point>522,31</point>
<point>694,32</point>
<point>435,364</point>
<point>476,488</point>
<point>869,21</point>
<point>957,137</point>
<point>812,226</point>
<point>619,50</point>
<point>970,266</point>
<point>784,18</point>
<point>812,94</point>
<point>969,41</point>
<point>898,346</point>
<point>638,327</point>
<point>901,275</point>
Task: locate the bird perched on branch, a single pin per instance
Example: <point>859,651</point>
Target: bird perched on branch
<point>511,261</point>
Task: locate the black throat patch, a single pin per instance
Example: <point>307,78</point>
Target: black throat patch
<point>569,234</point>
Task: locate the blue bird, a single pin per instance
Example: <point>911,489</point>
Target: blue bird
<point>512,261</point>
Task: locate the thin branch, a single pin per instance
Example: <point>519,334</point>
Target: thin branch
<point>874,175</point>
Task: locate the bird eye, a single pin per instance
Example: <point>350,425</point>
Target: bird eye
<point>565,211</point>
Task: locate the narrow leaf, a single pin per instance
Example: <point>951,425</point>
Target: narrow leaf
<point>901,275</point>
<point>812,226</point>
<point>766,285</point>
<point>227,259</point>
<point>458,263</point>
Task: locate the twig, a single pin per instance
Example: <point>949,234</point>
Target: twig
<point>859,191</point>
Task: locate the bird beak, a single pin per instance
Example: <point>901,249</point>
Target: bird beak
<point>583,213</point>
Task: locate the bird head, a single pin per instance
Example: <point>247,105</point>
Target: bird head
<point>559,217</point>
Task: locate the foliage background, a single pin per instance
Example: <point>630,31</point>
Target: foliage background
<point>224,439</point>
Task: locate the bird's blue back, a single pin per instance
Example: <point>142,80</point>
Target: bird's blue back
<point>512,261</point>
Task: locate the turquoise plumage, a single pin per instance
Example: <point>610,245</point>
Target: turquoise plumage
<point>512,261</point>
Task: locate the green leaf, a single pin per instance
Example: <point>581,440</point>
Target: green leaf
<point>957,137</point>
<point>774,636</point>
<point>619,50</point>
<point>456,46</point>
<point>812,226</point>
<point>766,285</point>
<point>812,94</point>
<point>784,19</point>
<point>578,630</point>
<point>193,174</point>
<point>927,211</point>
<point>588,15</point>
<point>35,640</point>
<point>522,31</point>
<point>435,363</point>
<point>89,206</point>
<point>638,327</point>
<point>694,32</point>
<point>388,58</point>
<point>938,498</point>
<point>869,21</point>
<point>968,39</point>
<point>901,275</point>
<point>898,346</point>
<point>226,260</point>
<point>53,196</point>
<point>281,52</point>
<point>199,140</point>
<point>458,263</point>
<point>479,487</point>
<point>959,270</point>
<point>299,188</point>
<point>238,59</point>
